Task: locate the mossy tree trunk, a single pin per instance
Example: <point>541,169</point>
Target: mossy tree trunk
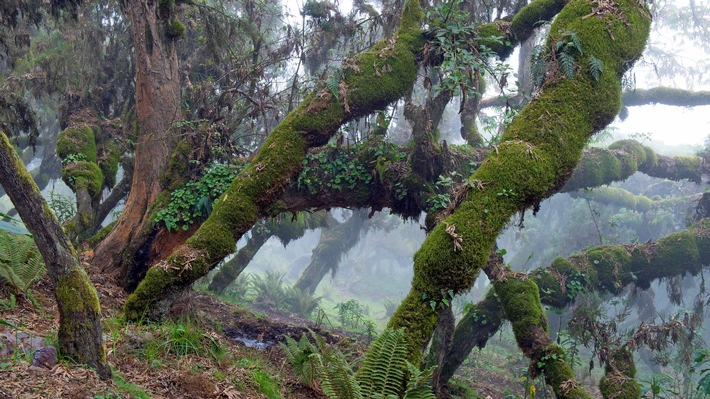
<point>538,152</point>
<point>369,82</point>
<point>154,27</point>
<point>80,335</point>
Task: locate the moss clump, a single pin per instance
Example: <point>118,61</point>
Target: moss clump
<point>77,144</point>
<point>175,28</point>
<point>521,304</point>
<point>688,168</point>
<point>631,146</point>
<point>612,265</point>
<point>84,175</point>
<point>111,155</point>
<point>178,172</point>
<point>677,251</point>
<point>100,235</point>
<point>618,381</point>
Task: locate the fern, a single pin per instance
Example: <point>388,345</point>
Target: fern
<point>384,374</point>
<point>596,67</point>
<point>20,262</point>
<point>299,354</point>
<point>385,365</point>
<point>419,383</point>
<point>567,64</point>
<point>333,82</point>
<point>338,379</point>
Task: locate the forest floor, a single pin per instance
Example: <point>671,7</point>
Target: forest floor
<point>207,349</point>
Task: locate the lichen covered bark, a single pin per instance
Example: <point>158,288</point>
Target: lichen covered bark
<point>373,79</point>
<point>539,150</point>
<point>79,311</point>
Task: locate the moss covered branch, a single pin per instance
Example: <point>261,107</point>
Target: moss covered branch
<point>371,80</point>
<point>538,152</point>
<point>623,158</point>
<point>605,269</point>
<point>640,203</point>
<point>666,96</point>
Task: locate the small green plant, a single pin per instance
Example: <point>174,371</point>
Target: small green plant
<point>63,206</point>
<point>302,303</point>
<point>183,338</point>
<point>269,289</point>
<point>351,314</point>
<point>384,373</point>
<point>441,199</point>
<point>73,158</point>
<point>338,169</point>
<point>193,202</point>
<point>20,262</point>
<point>658,387</point>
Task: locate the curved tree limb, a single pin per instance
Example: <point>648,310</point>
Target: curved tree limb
<point>256,189</point>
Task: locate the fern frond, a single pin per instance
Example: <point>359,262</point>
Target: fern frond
<point>574,39</point>
<point>333,82</point>
<point>299,354</point>
<point>419,383</point>
<point>20,262</point>
<point>596,67</point>
<point>384,368</point>
<point>337,378</point>
<point>567,64</point>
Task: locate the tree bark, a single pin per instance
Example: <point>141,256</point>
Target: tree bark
<point>80,335</point>
<point>157,107</point>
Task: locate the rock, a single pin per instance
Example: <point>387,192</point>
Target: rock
<point>7,346</point>
<point>45,357</point>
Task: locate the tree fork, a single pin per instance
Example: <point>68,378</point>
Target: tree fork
<point>79,334</point>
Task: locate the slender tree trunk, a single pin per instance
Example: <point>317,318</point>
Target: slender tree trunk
<point>333,244</point>
<point>80,335</point>
<point>157,107</point>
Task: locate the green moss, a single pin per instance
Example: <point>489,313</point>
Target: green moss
<point>612,265</point>
<point>77,141</point>
<point>521,304</point>
<point>525,21</point>
<point>679,252</point>
<point>688,168</point>
<point>75,291</point>
<point>551,292</point>
<point>178,173</point>
<point>540,147</point>
<point>100,235</point>
<point>175,29</point>
<point>618,381</point>
<point>494,36</point>
<point>109,163</point>
<point>84,175</point>
<point>633,147</point>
